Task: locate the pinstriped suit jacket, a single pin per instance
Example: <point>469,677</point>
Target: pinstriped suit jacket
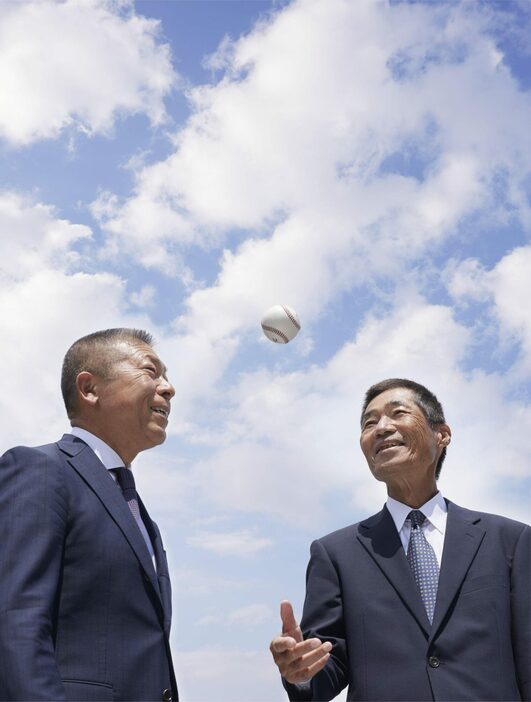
<point>83,615</point>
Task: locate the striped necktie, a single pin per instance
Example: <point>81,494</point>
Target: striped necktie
<point>423,562</point>
<point>126,481</point>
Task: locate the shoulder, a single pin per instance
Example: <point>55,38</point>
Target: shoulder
<point>47,462</point>
<point>348,535</point>
<point>509,535</point>
<point>32,454</point>
<point>486,520</point>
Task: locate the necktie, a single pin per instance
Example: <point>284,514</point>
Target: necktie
<point>126,481</point>
<point>421,558</point>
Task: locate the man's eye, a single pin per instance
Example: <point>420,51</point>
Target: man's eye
<point>369,423</point>
<point>151,369</point>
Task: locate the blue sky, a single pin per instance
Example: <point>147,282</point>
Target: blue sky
<point>184,165</point>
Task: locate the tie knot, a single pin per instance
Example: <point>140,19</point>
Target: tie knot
<point>126,481</point>
<point>417,518</point>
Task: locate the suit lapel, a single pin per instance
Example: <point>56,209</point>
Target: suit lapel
<point>378,535</point>
<point>163,574</point>
<point>461,542</point>
<point>90,468</point>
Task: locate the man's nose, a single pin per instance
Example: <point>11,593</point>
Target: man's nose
<point>165,388</point>
<point>384,425</point>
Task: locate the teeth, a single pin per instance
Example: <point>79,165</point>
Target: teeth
<point>160,411</point>
<point>389,445</point>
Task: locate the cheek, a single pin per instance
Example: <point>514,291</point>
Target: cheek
<point>365,446</point>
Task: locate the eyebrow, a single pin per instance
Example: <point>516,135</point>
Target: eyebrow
<point>392,403</point>
<point>156,360</point>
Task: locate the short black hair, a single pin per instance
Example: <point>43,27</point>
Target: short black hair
<point>424,399</point>
<point>92,353</point>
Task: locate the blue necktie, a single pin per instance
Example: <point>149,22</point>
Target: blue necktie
<point>423,562</point>
<point>126,481</point>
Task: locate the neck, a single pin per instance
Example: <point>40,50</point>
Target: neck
<point>127,456</point>
<point>413,496</point>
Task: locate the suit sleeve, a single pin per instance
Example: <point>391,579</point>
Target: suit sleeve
<point>521,611</point>
<point>33,513</point>
<point>323,618</point>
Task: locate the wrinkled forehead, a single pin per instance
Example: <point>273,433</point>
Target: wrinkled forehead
<point>134,351</point>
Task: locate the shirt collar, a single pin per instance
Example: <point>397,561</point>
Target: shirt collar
<point>103,451</point>
<point>434,510</point>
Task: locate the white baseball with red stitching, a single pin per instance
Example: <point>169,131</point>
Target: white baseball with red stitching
<point>280,324</point>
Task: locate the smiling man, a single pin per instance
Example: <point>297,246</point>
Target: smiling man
<point>85,602</point>
<point>424,600</point>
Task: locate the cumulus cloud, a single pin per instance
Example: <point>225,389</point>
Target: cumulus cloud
<point>506,289</point>
<point>260,146</point>
<point>46,302</point>
<point>34,238</point>
<point>292,438</point>
<point>79,64</point>
<point>347,141</point>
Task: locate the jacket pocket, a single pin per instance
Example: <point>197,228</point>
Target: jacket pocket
<point>484,582</point>
<point>86,691</point>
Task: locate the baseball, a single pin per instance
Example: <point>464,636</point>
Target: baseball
<point>280,324</point>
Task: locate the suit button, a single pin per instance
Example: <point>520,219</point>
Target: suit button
<point>434,661</point>
<point>166,695</point>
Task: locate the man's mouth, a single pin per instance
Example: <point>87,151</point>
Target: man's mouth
<point>388,444</point>
<point>160,410</point>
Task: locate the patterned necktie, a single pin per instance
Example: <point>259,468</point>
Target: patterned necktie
<point>421,558</point>
<point>126,481</point>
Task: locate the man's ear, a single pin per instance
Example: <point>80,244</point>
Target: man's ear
<point>445,434</point>
<point>87,389</point>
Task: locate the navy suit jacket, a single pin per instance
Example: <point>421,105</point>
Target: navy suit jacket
<point>83,615</point>
<point>362,597</point>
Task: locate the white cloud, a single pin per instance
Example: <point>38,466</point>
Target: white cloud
<point>80,64</point>
<point>507,289</point>
<point>306,143</point>
<point>33,238</point>
<point>46,303</point>
<point>145,297</point>
<point>259,144</point>
<point>234,543</point>
<point>292,439</point>
<point>511,285</point>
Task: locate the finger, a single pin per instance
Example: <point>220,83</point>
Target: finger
<point>306,673</point>
<point>304,647</point>
<point>282,643</point>
<point>308,659</point>
<point>291,656</point>
<point>289,623</point>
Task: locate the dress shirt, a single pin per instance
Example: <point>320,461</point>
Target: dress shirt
<point>110,460</point>
<point>103,451</point>
<point>434,527</point>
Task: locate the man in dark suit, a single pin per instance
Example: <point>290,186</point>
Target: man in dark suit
<point>85,602</point>
<point>424,600</point>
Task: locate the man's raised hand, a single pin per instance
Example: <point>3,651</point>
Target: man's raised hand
<point>297,660</point>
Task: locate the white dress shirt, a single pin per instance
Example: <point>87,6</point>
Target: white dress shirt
<point>103,451</point>
<point>434,527</point>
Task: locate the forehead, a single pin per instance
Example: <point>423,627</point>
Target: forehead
<point>135,352</point>
<point>391,398</point>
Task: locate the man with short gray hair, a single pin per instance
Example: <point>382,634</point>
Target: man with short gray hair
<point>424,600</point>
<point>85,601</point>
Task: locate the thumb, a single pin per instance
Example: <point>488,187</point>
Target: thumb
<point>289,623</point>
